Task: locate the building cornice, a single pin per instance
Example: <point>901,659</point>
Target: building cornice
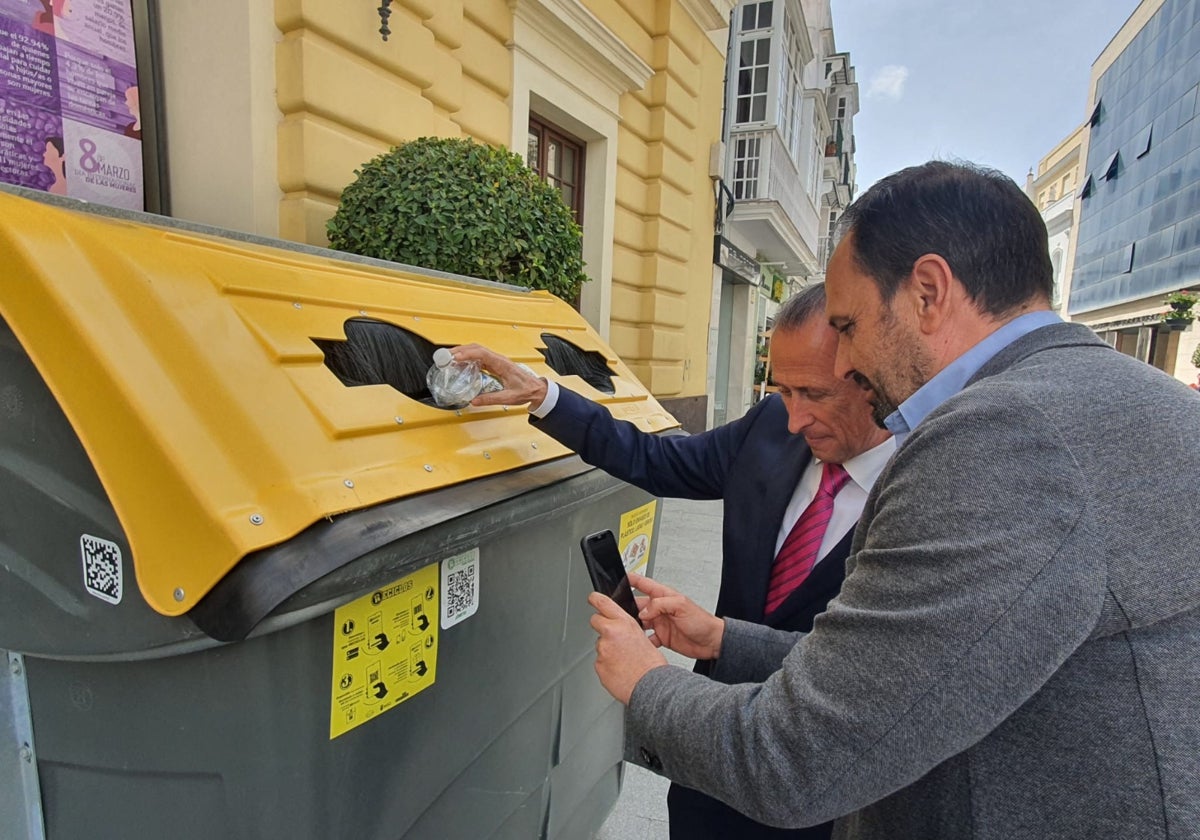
<point>709,14</point>
<point>580,33</point>
<point>1064,164</point>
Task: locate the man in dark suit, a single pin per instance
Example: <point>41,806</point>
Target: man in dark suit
<point>768,467</point>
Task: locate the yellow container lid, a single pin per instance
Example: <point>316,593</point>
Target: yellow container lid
<point>189,367</point>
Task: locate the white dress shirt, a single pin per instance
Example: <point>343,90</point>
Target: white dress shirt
<point>847,504</point>
<point>551,400</point>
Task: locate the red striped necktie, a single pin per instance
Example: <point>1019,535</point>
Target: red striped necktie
<point>799,552</point>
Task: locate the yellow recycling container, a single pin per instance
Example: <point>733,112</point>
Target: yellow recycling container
<point>255,583</point>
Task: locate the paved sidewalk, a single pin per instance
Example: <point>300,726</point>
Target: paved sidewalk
<point>688,559</point>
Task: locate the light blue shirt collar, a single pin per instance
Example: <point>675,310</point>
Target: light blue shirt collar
<point>954,377</point>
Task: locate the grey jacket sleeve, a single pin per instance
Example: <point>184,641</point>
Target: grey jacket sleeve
<point>751,652</point>
<point>972,584</point>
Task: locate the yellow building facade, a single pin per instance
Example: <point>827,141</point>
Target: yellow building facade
<point>1058,172</point>
<point>271,105</point>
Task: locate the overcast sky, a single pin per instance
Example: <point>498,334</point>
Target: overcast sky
<point>998,82</point>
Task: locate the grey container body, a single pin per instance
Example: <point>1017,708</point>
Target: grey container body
<point>123,723</point>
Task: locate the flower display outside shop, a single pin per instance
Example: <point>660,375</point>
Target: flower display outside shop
<point>1181,304</point>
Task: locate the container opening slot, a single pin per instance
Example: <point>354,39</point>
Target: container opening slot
<point>565,359</point>
<point>379,353</point>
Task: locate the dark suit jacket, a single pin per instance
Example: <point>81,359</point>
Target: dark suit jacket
<point>753,464</point>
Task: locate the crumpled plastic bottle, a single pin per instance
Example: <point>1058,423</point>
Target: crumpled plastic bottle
<point>454,384</point>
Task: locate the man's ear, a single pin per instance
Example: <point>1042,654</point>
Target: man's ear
<point>933,288</point>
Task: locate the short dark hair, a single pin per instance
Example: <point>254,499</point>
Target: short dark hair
<point>801,308</point>
<point>977,219</point>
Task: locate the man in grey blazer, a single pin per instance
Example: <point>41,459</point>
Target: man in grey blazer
<point>1014,652</point>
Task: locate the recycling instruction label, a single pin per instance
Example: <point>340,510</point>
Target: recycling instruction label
<point>384,649</point>
<point>637,530</point>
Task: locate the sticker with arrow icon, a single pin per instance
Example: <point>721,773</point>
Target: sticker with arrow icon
<point>384,649</point>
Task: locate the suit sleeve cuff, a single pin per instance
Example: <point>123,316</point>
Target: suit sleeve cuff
<point>547,404</point>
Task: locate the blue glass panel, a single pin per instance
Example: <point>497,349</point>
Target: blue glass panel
<point>1152,206</point>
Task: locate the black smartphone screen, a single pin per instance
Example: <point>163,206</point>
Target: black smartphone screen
<point>607,570</point>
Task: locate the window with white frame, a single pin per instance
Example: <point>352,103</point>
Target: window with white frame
<point>746,154</point>
<point>789,96</point>
<point>754,63</point>
<point>754,69</point>
<point>756,16</point>
<point>791,89</point>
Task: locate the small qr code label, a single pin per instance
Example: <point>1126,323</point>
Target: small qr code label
<point>102,568</point>
<point>460,587</point>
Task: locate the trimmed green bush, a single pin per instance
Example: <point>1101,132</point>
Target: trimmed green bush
<point>456,205</point>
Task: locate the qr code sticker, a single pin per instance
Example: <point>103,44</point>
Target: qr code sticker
<point>460,587</point>
<point>101,568</point>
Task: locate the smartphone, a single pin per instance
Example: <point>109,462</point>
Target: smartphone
<point>607,571</point>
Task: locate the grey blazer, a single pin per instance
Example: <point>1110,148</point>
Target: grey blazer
<point>1015,652</point>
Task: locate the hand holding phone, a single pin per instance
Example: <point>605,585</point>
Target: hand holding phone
<point>607,571</point>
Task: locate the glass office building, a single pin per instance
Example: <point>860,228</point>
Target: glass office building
<point>1139,214</point>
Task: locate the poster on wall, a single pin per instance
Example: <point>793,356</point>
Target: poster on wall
<point>70,120</point>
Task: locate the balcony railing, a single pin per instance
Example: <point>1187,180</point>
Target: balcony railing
<point>769,174</point>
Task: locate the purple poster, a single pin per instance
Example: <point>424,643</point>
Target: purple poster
<point>102,166</point>
<point>70,118</point>
<point>102,27</point>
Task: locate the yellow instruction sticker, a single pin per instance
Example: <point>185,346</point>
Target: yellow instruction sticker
<point>384,649</point>
<point>637,529</point>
